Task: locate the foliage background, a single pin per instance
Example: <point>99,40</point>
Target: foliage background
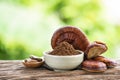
<point>26,26</point>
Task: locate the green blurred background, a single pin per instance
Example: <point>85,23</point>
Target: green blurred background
<point>26,26</point>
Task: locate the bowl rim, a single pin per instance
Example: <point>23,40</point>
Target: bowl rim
<point>47,53</point>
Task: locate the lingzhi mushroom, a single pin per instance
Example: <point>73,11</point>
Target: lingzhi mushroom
<point>93,62</point>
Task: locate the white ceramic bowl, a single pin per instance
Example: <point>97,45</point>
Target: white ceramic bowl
<point>63,63</point>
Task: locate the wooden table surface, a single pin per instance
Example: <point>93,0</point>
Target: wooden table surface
<point>15,70</point>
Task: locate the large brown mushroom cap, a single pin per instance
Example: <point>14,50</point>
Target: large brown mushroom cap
<point>72,35</point>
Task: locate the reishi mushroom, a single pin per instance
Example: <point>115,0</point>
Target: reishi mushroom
<point>72,35</point>
<point>33,62</point>
<point>110,63</point>
<point>93,61</point>
<point>94,66</point>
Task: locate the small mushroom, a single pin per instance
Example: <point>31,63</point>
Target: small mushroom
<point>94,66</point>
<point>95,49</point>
<point>110,63</point>
<point>33,62</point>
<point>35,58</point>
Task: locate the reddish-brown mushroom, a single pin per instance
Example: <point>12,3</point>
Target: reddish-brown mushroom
<point>72,35</point>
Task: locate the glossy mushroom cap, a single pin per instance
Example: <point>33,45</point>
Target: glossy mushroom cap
<point>94,66</point>
<point>110,63</point>
<point>72,35</point>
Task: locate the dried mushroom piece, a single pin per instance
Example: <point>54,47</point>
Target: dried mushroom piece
<point>94,66</point>
<point>35,58</point>
<point>110,63</point>
<point>33,62</point>
<point>95,49</point>
<point>72,35</point>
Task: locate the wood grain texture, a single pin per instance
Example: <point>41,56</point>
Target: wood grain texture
<point>14,70</point>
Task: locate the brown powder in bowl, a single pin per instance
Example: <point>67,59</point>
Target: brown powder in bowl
<point>64,49</point>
